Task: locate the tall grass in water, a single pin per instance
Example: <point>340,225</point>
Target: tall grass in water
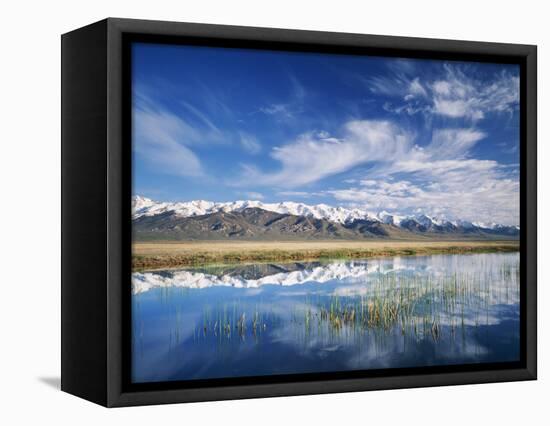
<point>419,304</point>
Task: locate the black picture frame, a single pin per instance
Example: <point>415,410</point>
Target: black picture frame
<point>96,211</point>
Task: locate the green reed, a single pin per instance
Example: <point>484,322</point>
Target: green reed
<point>412,304</point>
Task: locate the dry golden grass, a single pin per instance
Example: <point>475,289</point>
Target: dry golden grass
<point>173,254</point>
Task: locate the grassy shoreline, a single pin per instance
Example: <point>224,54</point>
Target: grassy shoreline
<point>187,254</point>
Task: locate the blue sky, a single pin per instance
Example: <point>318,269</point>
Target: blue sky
<point>400,135</point>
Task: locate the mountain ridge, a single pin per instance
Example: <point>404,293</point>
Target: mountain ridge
<point>142,206</point>
<point>253,223</point>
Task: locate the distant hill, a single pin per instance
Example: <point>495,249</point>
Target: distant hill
<point>254,223</point>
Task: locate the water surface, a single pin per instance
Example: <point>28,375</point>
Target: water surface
<point>265,319</point>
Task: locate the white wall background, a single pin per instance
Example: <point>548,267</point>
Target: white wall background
<point>30,211</point>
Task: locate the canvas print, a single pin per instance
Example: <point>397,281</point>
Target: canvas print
<point>300,212</point>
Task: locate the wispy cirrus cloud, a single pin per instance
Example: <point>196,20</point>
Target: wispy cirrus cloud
<point>458,95</point>
<point>249,143</point>
<point>316,155</point>
<point>509,147</point>
<point>453,143</point>
<point>386,146</point>
<point>284,110</point>
<point>163,139</point>
<point>292,106</point>
<point>452,93</point>
<point>168,138</point>
<point>202,117</point>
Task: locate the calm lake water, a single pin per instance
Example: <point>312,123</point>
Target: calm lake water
<point>265,319</point>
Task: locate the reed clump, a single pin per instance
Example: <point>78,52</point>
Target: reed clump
<point>415,304</point>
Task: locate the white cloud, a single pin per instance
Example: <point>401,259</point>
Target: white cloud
<point>453,143</point>
<point>461,194</point>
<point>441,181</point>
<point>314,156</point>
<point>161,139</point>
<point>416,88</point>
<point>458,95</point>
<point>453,94</point>
<point>456,108</point>
<point>166,140</point>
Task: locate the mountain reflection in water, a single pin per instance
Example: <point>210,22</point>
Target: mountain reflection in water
<point>264,319</point>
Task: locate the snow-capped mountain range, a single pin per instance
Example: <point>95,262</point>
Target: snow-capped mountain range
<point>143,207</point>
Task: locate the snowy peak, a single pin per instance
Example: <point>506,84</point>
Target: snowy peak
<point>141,203</point>
<point>142,206</point>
